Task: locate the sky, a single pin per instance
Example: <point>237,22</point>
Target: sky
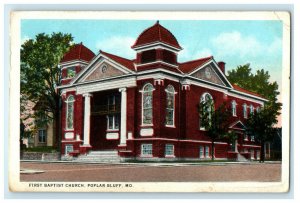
<point>236,42</point>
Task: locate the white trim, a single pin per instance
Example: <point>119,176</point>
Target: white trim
<point>72,63</point>
<point>112,136</point>
<point>123,119</point>
<point>87,113</point>
<point>236,122</point>
<point>148,46</point>
<point>245,145</point>
<point>257,100</point>
<point>146,132</point>
<point>157,61</point>
<point>159,70</point>
<point>216,67</point>
<point>161,76</point>
<point>107,85</point>
<point>248,95</point>
<point>69,135</point>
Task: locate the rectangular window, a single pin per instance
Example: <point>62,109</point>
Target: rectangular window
<point>233,107</point>
<point>68,148</point>
<point>146,149</point>
<point>201,152</point>
<point>169,150</point>
<point>245,137</point>
<point>206,151</point>
<point>252,138</point>
<point>42,136</point>
<point>245,113</point>
<point>113,122</point>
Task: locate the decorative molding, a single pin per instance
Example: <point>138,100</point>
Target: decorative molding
<point>146,132</point>
<point>69,135</point>
<point>112,136</point>
<point>106,85</point>
<point>158,61</point>
<point>158,44</point>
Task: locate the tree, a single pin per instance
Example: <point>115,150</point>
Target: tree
<point>40,74</point>
<point>260,125</point>
<point>215,122</point>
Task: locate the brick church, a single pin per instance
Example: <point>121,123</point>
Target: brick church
<point>147,108</point>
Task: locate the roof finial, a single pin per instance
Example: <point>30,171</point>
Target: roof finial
<point>157,22</point>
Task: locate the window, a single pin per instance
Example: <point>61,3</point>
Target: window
<point>113,103</point>
<point>68,148</point>
<point>251,109</point>
<point>207,107</point>
<point>148,56</point>
<point>147,97</point>
<point>169,150</point>
<point>168,56</point>
<point>206,151</point>
<point>252,138</point>
<point>245,137</point>
<point>71,72</point>
<point>42,136</point>
<point>201,152</point>
<point>70,112</point>
<point>170,105</point>
<point>245,113</point>
<point>146,149</point>
<point>113,122</point>
<point>233,107</point>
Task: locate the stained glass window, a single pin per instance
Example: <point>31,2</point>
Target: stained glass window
<point>245,111</point>
<point>208,102</point>
<point>70,112</point>
<point>147,103</point>
<point>233,107</point>
<point>170,105</point>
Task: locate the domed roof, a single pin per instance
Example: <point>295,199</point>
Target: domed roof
<point>156,33</point>
<point>78,52</point>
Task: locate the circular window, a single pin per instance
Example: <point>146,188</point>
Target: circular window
<point>104,69</point>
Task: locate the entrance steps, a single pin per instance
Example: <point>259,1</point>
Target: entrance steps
<point>241,158</point>
<point>100,157</point>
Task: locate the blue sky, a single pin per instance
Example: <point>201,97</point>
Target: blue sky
<point>234,42</point>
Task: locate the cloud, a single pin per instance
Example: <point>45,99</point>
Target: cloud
<point>119,45</point>
<point>203,53</point>
<point>234,44</point>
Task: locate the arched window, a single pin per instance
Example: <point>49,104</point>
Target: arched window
<point>70,112</point>
<point>170,106</point>
<point>147,97</point>
<point>245,113</point>
<point>207,107</point>
<point>233,107</point>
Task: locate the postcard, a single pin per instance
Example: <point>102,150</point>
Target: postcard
<point>119,101</point>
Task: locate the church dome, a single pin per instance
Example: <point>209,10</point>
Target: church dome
<point>154,34</point>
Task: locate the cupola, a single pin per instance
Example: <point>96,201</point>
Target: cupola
<point>156,46</point>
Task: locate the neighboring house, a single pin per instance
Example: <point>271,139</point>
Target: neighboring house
<point>147,107</point>
<point>38,135</point>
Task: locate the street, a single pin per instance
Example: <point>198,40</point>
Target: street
<point>150,172</point>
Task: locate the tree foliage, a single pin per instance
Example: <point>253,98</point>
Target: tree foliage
<point>215,122</point>
<point>40,73</point>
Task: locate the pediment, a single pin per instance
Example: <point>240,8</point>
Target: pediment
<point>101,71</point>
<point>238,125</point>
<point>208,73</point>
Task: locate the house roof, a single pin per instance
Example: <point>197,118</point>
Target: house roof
<point>238,88</point>
<point>78,52</point>
<point>156,33</point>
<point>123,61</point>
<point>189,66</point>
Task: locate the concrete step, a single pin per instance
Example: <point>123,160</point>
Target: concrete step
<point>242,158</point>
<point>100,156</point>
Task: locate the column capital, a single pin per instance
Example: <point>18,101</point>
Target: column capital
<point>123,89</point>
<point>87,95</point>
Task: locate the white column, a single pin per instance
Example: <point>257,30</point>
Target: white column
<point>123,116</point>
<point>236,146</point>
<point>87,113</point>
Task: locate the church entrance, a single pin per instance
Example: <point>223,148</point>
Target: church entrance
<point>105,120</point>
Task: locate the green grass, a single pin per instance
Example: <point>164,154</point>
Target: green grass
<point>45,149</point>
